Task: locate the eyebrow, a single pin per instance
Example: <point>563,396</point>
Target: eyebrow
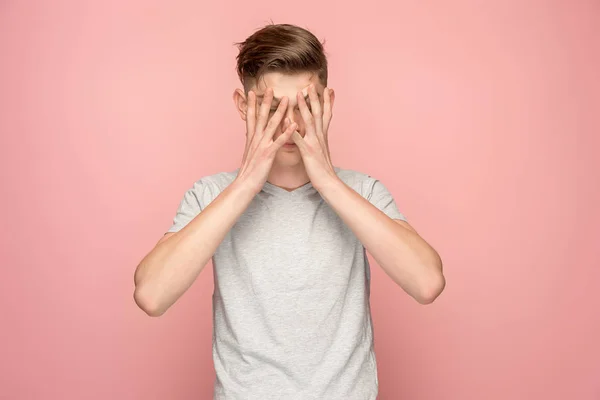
<point>278,99</point>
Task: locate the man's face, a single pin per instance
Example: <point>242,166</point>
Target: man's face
<point>289,86</point>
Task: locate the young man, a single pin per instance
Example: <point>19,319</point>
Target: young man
<point>288,233</point>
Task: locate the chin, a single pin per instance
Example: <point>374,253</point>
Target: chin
<point>288,158</point>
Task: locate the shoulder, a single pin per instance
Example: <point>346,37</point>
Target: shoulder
<point>206,188</point>
<point>372,189</point>
<point>219,180</point>
<point>361,182</point>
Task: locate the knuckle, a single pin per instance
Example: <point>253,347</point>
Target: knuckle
<point>270,125</point>
<point>265,154</point>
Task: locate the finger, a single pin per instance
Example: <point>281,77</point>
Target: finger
<point>327,110</point>
<point>285,136</point>
<point>263,113</point>
<point>276,119</point>
<point>315,107</point>
<point>299,140</point>
<point>250,121</point>
<point>309,121</point>
<point>251,114</point>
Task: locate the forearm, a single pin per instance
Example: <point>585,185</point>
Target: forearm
<point>406,257</point>
<point>174,264</point>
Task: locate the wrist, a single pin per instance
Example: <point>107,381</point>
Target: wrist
<point>328,184</point>
<point>244,187</point>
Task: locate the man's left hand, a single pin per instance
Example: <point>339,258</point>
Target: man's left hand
<point>314,147</point>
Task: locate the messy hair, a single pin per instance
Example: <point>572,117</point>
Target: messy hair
<point>283,48</point>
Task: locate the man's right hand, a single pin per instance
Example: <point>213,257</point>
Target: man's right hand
<point>169,269</point>
<point>260,148</point>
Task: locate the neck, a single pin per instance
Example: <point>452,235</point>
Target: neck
<point>288,177</point>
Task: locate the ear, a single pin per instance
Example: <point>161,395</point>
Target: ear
<point>241,102</point>
<point>331,97</point>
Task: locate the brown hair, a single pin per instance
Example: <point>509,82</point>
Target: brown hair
<point>283,47</point>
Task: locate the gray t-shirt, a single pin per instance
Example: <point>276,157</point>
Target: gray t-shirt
<point>291,311</point>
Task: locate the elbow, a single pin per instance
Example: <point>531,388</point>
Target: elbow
<point>431,289</point>
<point>148,302</point>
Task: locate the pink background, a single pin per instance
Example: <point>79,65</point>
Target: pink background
<point>481,117</point>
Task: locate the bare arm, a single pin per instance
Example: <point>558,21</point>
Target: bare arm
<point>178,258</point>
<point>171,267</point>
<point>400,251</point>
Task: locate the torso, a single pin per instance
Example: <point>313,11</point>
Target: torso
<point>291,301</point>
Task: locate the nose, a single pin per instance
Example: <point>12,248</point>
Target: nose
<point>289,113</point>
<point>286,121</point>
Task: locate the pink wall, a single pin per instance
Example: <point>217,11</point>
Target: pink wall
<point>483,120</point>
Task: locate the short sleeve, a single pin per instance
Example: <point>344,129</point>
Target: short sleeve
<point>189,207</point>
<point>378,195</point>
